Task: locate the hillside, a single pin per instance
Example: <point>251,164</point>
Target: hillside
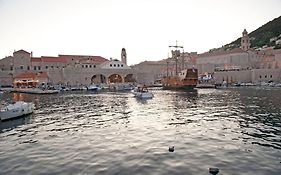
<point>261,36</point>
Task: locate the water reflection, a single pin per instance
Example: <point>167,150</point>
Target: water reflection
<point>22,97</point>
<point>13,123</point>
<point>115,133</point>
<point>261,117</point>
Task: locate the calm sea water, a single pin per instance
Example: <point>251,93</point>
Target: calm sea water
<point>237,130</point>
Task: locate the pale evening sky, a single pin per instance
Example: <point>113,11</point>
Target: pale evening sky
<point>144,27</point>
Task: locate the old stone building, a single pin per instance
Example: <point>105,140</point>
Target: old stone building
<point>65,69</point>
<point>147,72</point>
<point>241,64</point>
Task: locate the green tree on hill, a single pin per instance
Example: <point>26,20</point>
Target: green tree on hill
<point>263,34</point>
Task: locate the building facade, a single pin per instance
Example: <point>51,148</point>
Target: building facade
<point>69,70</point>
<point>241,64</point>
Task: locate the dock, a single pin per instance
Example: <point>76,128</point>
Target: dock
<point>31,90</point>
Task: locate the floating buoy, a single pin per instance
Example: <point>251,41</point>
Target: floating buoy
<point>171,149</point>
<point>214,171</point>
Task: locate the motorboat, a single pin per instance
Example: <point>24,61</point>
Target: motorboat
<point>93,87</point>
<point>142,92</point>
<point>16,109</point>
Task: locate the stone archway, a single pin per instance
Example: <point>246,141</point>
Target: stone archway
<point>115,78</point>
<point>98,79</point>
<point>129,78</point>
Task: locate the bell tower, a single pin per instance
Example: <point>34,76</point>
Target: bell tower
<point>124,56</point>
<point>245,41</point>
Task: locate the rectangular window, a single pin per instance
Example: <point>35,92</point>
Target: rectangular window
<point>46,67</point>
<point>21,67</point>
<point>28,68</point>
<point>39,68</point>
<point>34,68</point>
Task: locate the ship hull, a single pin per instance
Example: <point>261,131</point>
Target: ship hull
<point>185,87</point>
<point>186,80</point>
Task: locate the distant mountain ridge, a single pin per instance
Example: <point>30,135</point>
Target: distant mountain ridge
<point>261,36</point>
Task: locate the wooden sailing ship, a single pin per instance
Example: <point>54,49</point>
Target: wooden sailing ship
<point>185,80</point>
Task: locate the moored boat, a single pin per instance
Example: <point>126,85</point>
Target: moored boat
<point>35,90</point>
<point>93,87</point>
<point>17,109</point>
<point>185,80</point>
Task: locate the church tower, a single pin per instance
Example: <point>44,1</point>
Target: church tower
<point>124,56</point>
<point>245,41</point>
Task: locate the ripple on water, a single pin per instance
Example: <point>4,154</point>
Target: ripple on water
<point>236,130</point>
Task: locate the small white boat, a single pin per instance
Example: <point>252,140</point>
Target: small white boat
<point>93,87</point>
<point>17,109</point>
<point>142,92</point>
<point>144,95</point>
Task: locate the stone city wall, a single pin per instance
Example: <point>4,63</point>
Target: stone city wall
<point>252,76</point>
<point>233,76</point>
<point>266,75</point>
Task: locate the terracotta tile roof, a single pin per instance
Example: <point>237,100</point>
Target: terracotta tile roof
<point>85,57</point>
<point>26,75</point>
<point>65,58</point>
<point>21,51</point>
<point>35,59</point>
<point>53,59</point>
<point>98,59</point>
<point>32,75</point>
<point>48,59</point>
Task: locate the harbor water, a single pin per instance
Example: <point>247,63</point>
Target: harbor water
<point>237,130</point>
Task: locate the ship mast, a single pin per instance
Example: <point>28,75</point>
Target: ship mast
<point>176,54</point>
